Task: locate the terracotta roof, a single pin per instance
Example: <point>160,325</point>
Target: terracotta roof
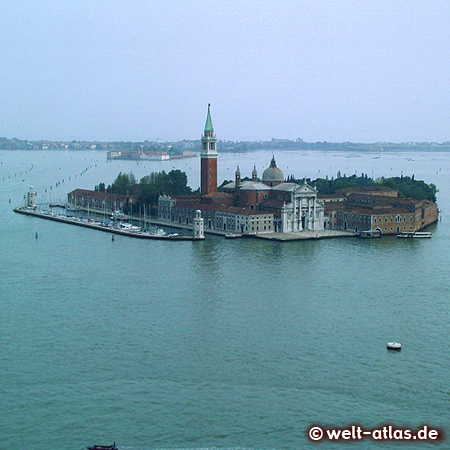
<point>367,208</point>
<point>273,203</point>
<point>217,207</point>
<point>186,197</point>
<point>366,189</point>
<point>336,195</point>
<point>219,194</point>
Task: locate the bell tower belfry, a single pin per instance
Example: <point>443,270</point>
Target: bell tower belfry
<point>208,158</point>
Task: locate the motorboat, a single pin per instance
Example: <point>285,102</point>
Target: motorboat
<point>370,234</point>
<point>394,346</point>
<point>118,215</point>
<point>414,234</point>
<point>128,227</point>
<point>103,447</point>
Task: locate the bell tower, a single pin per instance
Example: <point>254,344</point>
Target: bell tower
<point>208,158</point>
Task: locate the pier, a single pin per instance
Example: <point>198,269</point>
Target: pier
<point>72,221</point>
<point>306,235</point>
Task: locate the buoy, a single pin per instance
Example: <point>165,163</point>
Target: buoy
<point>113,238</point>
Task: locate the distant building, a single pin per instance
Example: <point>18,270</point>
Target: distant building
<point>138,155</point>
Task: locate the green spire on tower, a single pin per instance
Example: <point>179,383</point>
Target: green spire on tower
<point>208,124</point>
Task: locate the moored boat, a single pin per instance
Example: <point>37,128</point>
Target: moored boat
<point>369,234</point>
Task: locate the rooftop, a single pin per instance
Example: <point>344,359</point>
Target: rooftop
<point>218,207</point>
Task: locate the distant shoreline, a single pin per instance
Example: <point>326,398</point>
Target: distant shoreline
<point>415,149</point>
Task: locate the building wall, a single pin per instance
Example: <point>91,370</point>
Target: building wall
<point>86,201</point>
<point>216,219</point>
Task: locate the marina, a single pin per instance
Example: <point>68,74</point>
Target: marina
<point>122,229</point>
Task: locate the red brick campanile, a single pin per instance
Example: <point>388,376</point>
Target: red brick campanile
<point>208,158</point>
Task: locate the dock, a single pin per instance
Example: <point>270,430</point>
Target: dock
<point>305,235</point>
<point>94,226</point>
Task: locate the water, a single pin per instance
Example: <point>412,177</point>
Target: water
<point>221,343</point>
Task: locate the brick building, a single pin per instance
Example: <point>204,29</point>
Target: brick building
<point>368,210</point>
<point>98,201</point>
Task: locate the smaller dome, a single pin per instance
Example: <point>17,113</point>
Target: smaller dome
<point>273,173</point>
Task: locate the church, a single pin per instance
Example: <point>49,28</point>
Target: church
<point>246,207</point>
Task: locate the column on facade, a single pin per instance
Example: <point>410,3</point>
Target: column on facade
<point>314,214</point>
<point>294,216</point>
<point>299,216</point>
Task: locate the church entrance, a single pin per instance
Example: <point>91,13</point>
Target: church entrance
<point>304,223</point>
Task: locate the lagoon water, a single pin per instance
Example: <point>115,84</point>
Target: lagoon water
<point>221,343</point>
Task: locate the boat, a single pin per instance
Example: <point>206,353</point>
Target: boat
<point>157,232</point>
<point>370,234</point>
<point>128,227</point>
<point>118,215</point>
<point>414,235</point>
<point>103,447</point>
<point>394,346</point>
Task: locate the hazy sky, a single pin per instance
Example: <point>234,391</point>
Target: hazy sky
<point>133,70</point>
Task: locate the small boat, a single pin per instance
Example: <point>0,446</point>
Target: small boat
<point>394,346</point>
<point>103,447</point>
<point>71,208</point>
<point>370,234</point>
<point>414,234</point>
<point>128,227</point>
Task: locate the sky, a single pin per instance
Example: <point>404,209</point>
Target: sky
<point>361,71</point>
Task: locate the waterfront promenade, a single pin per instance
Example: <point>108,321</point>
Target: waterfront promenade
<point>97,227</point>
<point>300,236</point>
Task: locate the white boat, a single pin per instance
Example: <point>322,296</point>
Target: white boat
<point>394,346</point>
<point>71,208</point>
<point>118,215</point>
<point>414,234</point>
<point>156,232</point>
<point>128,227</point>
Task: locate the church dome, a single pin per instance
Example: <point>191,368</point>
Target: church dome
<point>272,173</point>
